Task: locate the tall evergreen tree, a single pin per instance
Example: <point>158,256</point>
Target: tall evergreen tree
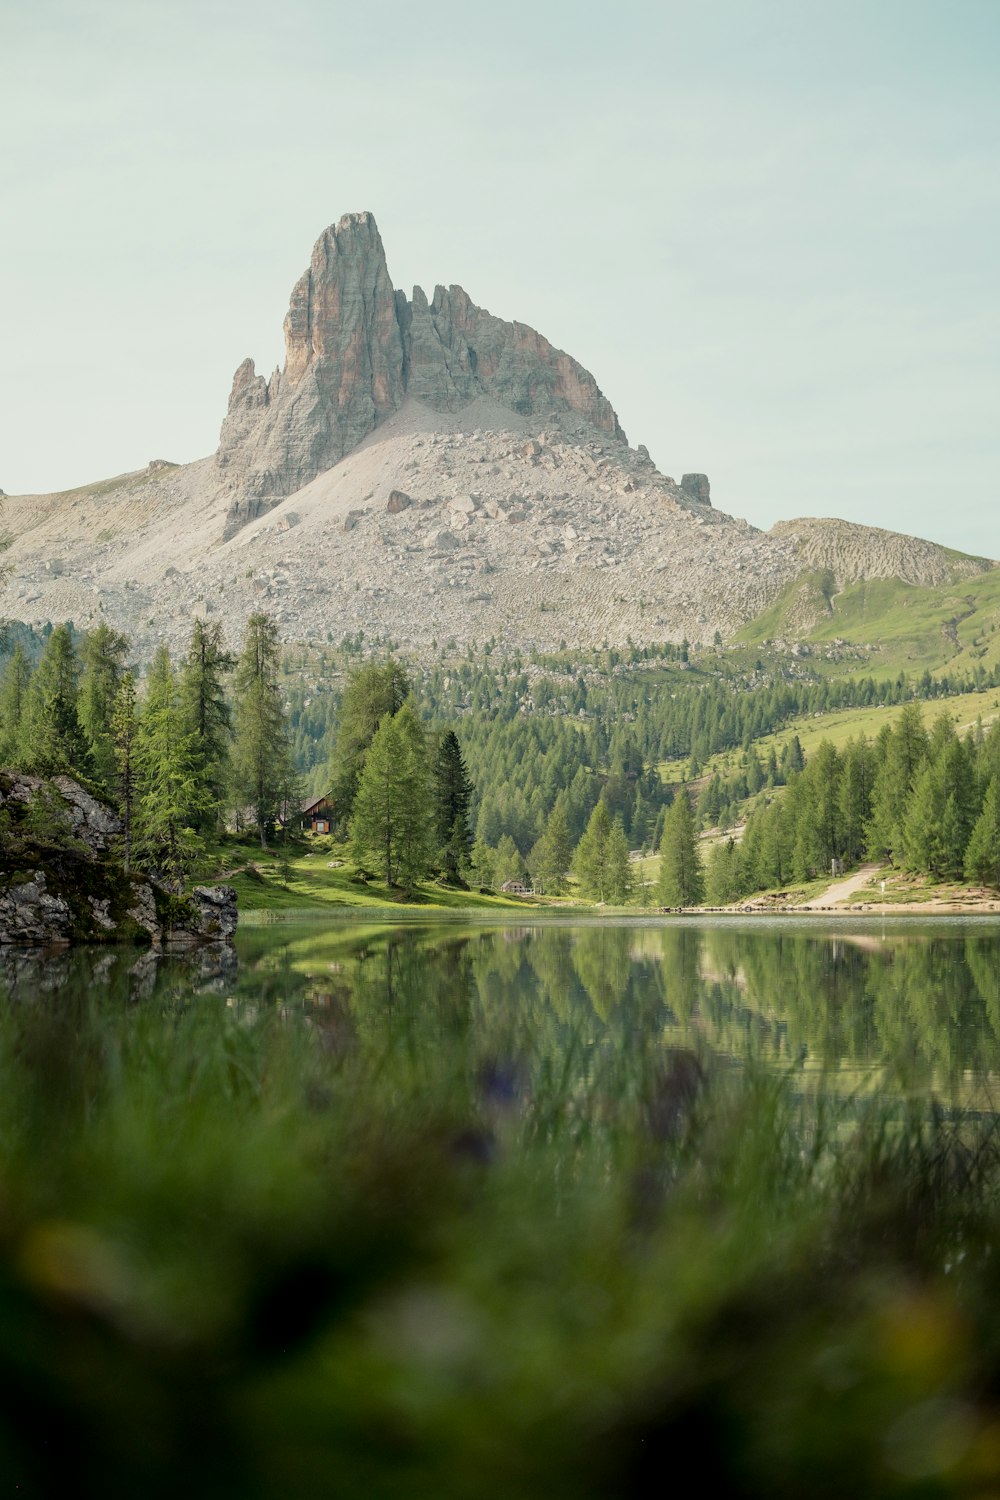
<point>206,714</point>
<point>124,739</point>
<point>982,858</point>
<point>373,692</point>
<point>722,874</point>
<point>681,882</point>
<point>13,696</point>
<point>51,738</point>
<point>104,653</point>
<point>854,796</point>
<point>905,751</point>
<point>552,854</point>
<point>168,796</point>
<point>452,794</point>
<point>261,752</point>
<point>392,826</point>
<point>591,859</point>
<point>618,866</point>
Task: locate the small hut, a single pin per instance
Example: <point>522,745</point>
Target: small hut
<point>317,815</point>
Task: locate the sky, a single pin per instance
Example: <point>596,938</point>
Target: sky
<point>769,229</point>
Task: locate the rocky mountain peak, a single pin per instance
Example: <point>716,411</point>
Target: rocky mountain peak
<point>356,348</point>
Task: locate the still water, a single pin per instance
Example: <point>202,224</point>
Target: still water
<point>860,1005</point>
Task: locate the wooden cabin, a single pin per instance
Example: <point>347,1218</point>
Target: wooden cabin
<point>317,815</point>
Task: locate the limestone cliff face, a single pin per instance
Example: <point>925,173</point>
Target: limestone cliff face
<point>355,348</point>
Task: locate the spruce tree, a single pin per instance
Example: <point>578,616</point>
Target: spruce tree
<point>104,652</point>
<point>452,794</point>
<point>13,695</point>
<point>50,737</point>
<point>261,752</point>
<point>681,882</point>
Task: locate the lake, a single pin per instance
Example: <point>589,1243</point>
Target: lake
<point>473,1207</point>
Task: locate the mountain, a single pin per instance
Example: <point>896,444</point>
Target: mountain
<point>424,471</point>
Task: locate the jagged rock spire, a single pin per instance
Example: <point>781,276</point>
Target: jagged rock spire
<point>355,348</point>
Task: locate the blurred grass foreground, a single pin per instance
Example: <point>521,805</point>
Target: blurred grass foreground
<point>262,1236</point>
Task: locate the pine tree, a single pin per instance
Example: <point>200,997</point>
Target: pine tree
<point>13,695</point>
<point>392,826</point>
<point>51,738</point>
<point>104,653</point>
<point>681,882</point>
<point>453,792</point>
<point>206,714</point>
<point>261,752</point>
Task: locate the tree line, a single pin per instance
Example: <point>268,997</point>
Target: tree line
<point>928,801</point>
<point>198,746</point>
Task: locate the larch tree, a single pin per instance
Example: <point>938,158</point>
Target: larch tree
<point>124,738</point>
<point>373,693</point>
<point>13,695</point>
<point>681,882</point>
<point>206,714</point>
<point>261,753</point>
<point>104,653</point>
<point>593,861</point>
<point>551,857</point>
<point>982,857</point>
<point>168,797</point>
<point>392,825</point>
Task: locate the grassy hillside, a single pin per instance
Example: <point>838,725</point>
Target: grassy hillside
<point>843,725</point>
<point>885,626</point>
<point>314,874</point>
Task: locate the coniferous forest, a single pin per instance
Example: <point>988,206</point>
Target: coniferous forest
<point>487,771</point>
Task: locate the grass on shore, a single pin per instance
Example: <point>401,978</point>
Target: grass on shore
<point>315,872</point>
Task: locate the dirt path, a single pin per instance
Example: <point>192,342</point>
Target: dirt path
<point>841,889</point>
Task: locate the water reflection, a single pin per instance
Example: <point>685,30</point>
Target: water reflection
<point>911,1006</point>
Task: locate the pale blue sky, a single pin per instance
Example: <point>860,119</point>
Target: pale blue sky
<point>770,229</point>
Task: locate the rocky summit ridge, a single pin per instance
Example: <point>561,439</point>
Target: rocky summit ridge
<point>427,473</point>
<point>356,348</point>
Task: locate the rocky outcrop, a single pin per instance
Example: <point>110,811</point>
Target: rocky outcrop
<point>355,348</point>
<point>696,487</point>
<point>61,883</point>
